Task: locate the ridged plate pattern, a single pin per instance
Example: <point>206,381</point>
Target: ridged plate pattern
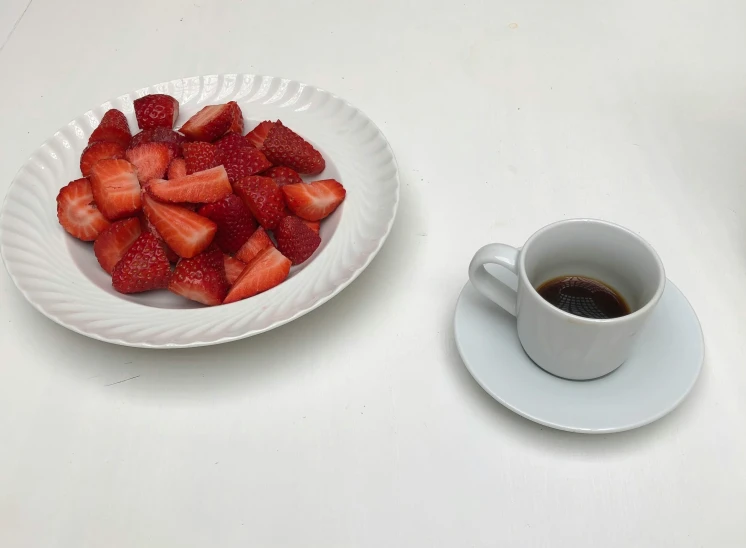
<point>61,278</point>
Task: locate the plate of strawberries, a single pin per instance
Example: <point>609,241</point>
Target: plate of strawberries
<point>199,211</point>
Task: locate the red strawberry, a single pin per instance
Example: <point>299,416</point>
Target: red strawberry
<point>177,168</point>
<point>264,199</point>
<point>295,239</point>
<point>257,242</point>
<point>116,188</point>
<point>313,225</point>
<point>283,176</point>
<point>112,128</point>
<point>112,243</point>
<point>209,123</point>
<point>234,220</point>
<point>237,120</point>
<point>156,110</point>
<point>242,162</point>
<point>231,141</point>
<point>201,278</point>
<point>160,135</point>
<point>284,147</point>
<point>78,213</point>
<point>257,135</point>
<point>314,201</point>
<point>267,270</point>
<point>147,226</point>
<point>199,157</point>
<point>143,267</point>
<point>206,186</point>
<point>99,151</point>
<point>150,160</point>
<point>233,268</point>
<point>186,232</point>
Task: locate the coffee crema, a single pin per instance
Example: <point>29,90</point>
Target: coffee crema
<point>584,297</point>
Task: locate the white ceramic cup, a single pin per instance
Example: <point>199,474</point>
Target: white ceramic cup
<point>565,345</point>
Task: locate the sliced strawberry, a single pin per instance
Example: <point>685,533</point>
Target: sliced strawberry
<point>283,176</point>
<point>230,142</point>
<point>99,151</point>
<point>242,162</point>
<point>314,201</point>
<point>143,267</point>
<point>177,168</point>
<point>257,135</point>
<point>116,188</point>
<point>237,119</point>
<point>233,268</point>
<point>284,147</point>
<point>77,212</point>
<point>202,187</point>
<point>267,270</point>
<point>199,157</point>
<point>113,243</point>
<point>264,199</point>
<point>201,278</point>
<point>112,128</point>
<point>147,226</point>
<point>234,220</point>
<point>313,225</point>
<point>258,241</point>
<point>156,110</point>
<point>209,123</point>
<point>160,135</point>
<point>295,239</point>
<point>150,160</point>
<point>186,232</point>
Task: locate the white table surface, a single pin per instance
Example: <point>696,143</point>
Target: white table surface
<point>358,425</point>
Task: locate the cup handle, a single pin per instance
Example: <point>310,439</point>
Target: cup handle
<point>489,286</point>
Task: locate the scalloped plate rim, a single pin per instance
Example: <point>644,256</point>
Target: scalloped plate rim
<point>202,343</point>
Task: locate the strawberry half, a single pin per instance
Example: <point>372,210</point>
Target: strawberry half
<point>202,187</point>
<point>78,213</point>
<point>241,162</point>
<point>267,270</point>
<point>113,243</point>
<point>156,110</point>
<point>151,160</point>
<point>314,201</point>
<point>201,278</point>
<point>98,151</point>
<point>237,119</point>
<point>284,147</point>
<point>112,128</point>
<point>283,175</point>
<point>209,123</point>
<point>313,225</point>
<point>177,168</point>
<point>143,267</point>
<point>186,232</point>
<point>233,268</point>
<point>234,220</point>
<point>258,241</point>
<point>295,239</point>
<point>257,135</point>
<point>199,157</point>
<point>116,188</point>
<point>264,199</point>
<point>160,135</point>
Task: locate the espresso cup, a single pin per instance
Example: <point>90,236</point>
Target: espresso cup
<point>566,345</point>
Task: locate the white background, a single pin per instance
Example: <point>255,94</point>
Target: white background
<point>358,425</point>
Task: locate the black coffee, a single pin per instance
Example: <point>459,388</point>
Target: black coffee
<point>584,297</point>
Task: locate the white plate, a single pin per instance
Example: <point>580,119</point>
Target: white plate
<point>60,276</point>
<point>657,377</point>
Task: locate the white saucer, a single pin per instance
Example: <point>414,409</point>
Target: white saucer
<point>657,377</point>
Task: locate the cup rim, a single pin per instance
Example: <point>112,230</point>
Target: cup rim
<point>580,319</point>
